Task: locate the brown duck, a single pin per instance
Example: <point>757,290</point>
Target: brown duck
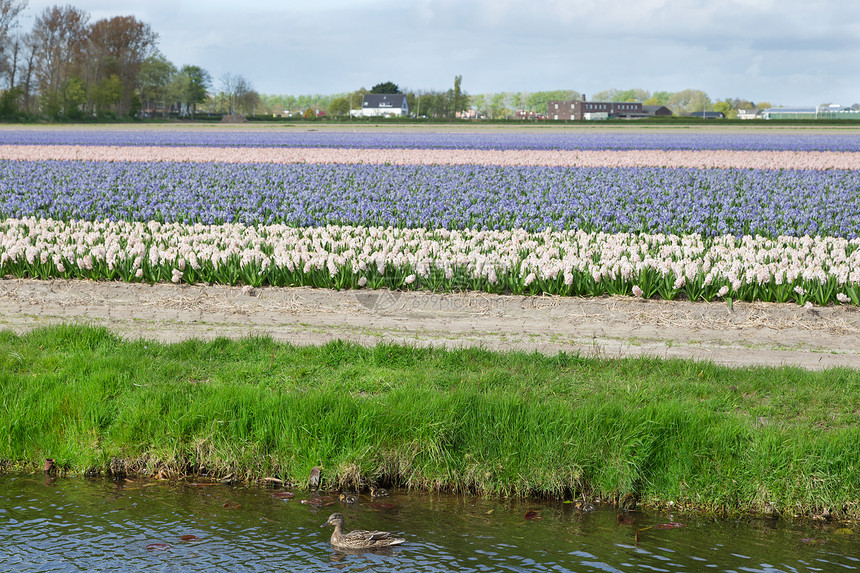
<point>358,539</point>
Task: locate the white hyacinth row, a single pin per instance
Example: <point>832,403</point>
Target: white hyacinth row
<point>801,269</point>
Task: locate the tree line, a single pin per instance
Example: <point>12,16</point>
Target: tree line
<point>497,106</point>
<point>67,68</point>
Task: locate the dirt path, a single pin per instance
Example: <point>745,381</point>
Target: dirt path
<point>748,334</point>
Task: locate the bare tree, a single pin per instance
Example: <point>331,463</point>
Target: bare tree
<point>238,94</point>
<point>228,91</point>
<point>59,36</point>
<point>28,53</point>
<point>119,46</point>
<point>9,12</point>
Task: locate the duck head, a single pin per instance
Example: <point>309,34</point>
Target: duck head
<point>334,519</point>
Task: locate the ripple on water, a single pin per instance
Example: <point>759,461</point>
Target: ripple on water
<point>79,525</point>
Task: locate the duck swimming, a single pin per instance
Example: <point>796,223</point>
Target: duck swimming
<point>358,539</point>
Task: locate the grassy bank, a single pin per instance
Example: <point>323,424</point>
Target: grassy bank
<point>469,420</point>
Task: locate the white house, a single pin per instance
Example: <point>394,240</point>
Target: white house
<point>382,105</point>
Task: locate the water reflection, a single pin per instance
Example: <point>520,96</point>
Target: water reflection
<point>76,525</point>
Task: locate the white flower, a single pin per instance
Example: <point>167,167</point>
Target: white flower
<point>800,290</point>
<point>637,291</point>
<point>362,281</point>
<point>409,280</point>
<point>177,274</point>
<point>843,298</point>
<point>723,291</point>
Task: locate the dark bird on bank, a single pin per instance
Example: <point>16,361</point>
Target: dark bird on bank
<point>314,479</point>
<point>358,539</point>
<point>376,492</point>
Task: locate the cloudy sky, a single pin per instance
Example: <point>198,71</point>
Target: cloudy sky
<point>788,52</point>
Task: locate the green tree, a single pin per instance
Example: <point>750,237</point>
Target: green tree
<point>688,101</point>
<point>616,95</point>
<point>107,93</point>
<point>658,98</point>
<point>726,108</point>
<point>458,99</point>
<point>385,88</point>
<point>196,87</point>
<point>156,75</point>
<point>9,103</point>
<point>339,106</point>
<point>480,103</point>
<point>74,97</point>
<point>424,102</point>
<point>357,97</point>
<point>538,101</point>
<point>497,108</point>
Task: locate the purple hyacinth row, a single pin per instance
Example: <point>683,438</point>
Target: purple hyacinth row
<point>484,139</point>
<point>709,202</point>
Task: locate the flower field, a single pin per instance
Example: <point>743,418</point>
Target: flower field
<point>771,217</point>
<point>626,139</point>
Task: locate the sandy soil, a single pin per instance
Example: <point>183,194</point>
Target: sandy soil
<point>747,334</point>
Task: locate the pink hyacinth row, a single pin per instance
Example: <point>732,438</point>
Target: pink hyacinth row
<point>697,159</point>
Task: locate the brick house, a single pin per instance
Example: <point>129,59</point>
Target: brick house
<point>578,110</point>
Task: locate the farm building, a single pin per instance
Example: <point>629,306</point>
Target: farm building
<point>817,112</point>
<point>578,110</point>
<point>382,105</point>
<point>789,113</point>
<point>656,111</point>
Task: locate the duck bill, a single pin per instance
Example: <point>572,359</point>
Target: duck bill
<point>326,524</point>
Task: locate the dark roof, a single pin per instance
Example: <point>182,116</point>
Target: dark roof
<point>371,101</point>
<point>654,109</point>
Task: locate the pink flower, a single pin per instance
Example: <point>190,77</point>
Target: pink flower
<point>637,291</point>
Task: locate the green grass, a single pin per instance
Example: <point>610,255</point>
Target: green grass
<point>467,420</point>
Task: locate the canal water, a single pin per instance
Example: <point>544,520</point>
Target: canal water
<point>75,524</point>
